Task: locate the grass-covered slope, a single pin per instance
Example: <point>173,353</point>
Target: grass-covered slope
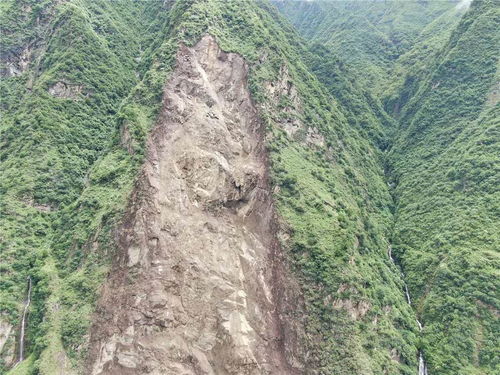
<point>443,88</point>
<point>360,107</point>
<point>446,161</point>
<point>410,69</point>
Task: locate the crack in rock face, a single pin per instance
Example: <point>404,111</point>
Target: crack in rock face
<point>192,289</point>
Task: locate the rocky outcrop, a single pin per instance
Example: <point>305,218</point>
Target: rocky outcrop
<point>7,343</point>
<point>64,90</point>
<point>14,64</point>
<point>284,95</point>
<point>198,284</point>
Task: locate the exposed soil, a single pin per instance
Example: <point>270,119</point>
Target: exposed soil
<point>199,284</point>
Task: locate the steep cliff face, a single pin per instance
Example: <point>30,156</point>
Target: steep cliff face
<point>193,289</point>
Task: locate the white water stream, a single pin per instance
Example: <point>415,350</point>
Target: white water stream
<point>420,327</point>
<point>407,294</point>
<point>23,323</point>
<point>422,367</point>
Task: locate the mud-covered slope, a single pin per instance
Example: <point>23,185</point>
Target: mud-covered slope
<point>193,288</point>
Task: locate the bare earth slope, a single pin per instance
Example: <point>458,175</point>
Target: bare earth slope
<point>193,290</point>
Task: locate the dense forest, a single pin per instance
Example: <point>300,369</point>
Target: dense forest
<point>249,187</point>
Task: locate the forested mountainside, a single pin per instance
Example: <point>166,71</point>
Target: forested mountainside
<point>370,35</point>
<point>193,187</point>
<point>443,164</point>
<point>445,161</point>
<point>66,68</point>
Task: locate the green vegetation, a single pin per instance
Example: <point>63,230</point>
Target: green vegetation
<point>49,145</point>
<point>361,108</point>
<point>443,161</point>
<point>410,68</point>
<point>367,35</point>
<point>69,160</point>
<point>446,162</point>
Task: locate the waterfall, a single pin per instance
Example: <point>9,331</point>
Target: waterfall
<point>23,323</point>
<point>407,295</point>
<point>422,367</point>
<point>420,327</point>
<point>389,252</point>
